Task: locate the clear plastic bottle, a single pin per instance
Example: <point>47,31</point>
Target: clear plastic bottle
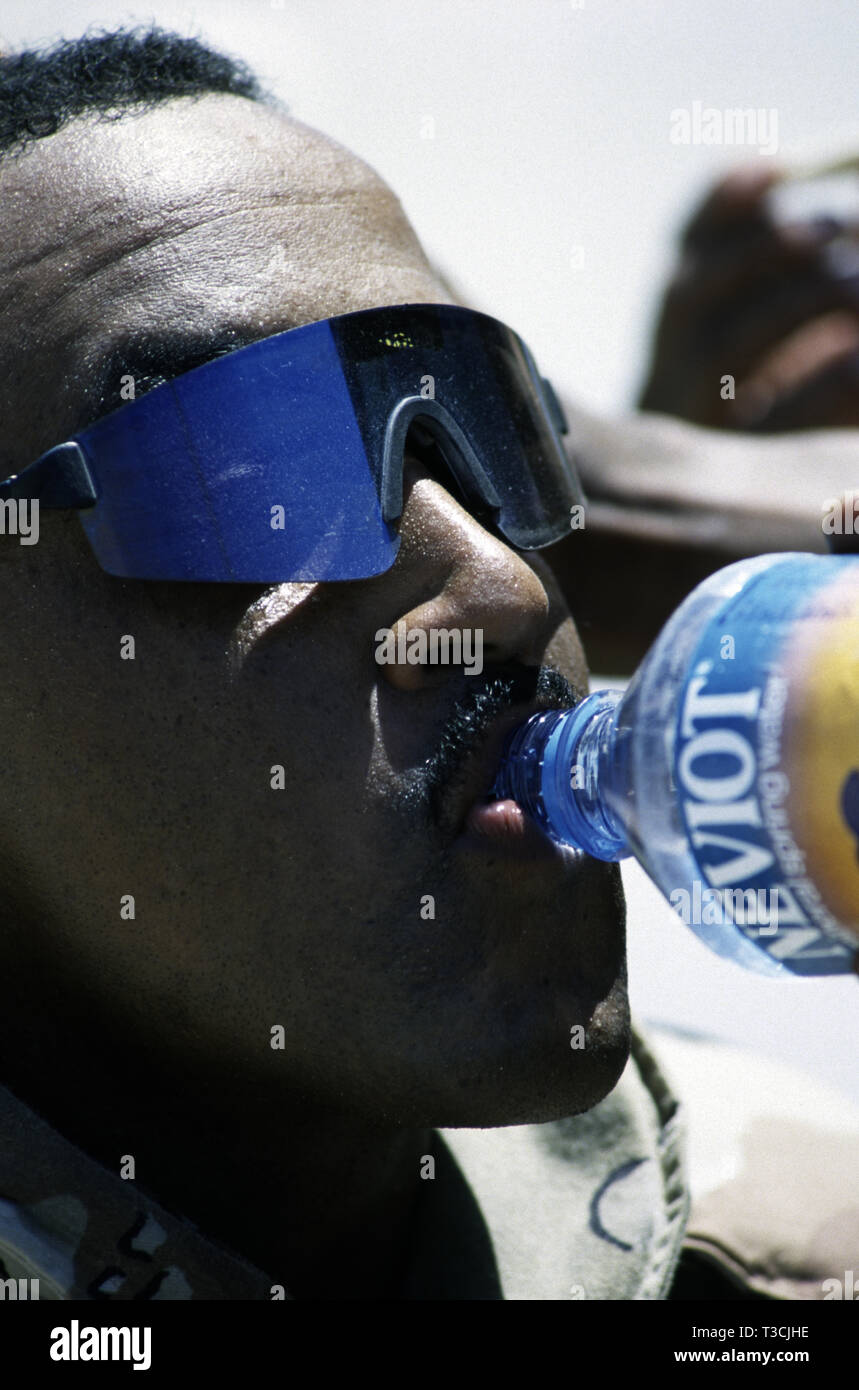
<point>729,767</point>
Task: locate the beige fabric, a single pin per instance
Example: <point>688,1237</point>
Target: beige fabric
<point>659,479</point>
<point>592,1207</point>
<point>774,1171</point>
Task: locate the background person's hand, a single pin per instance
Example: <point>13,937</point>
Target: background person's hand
<point>775,307</point>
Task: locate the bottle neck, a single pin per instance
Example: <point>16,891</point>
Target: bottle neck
<point>581,772</point>
<point>562,768</point>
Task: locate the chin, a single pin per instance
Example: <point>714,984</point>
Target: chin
<point>543,1082</point>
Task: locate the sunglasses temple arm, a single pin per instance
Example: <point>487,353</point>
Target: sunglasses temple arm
<point>59,479</point>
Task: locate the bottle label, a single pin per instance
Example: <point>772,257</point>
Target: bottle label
<point>766,763</point>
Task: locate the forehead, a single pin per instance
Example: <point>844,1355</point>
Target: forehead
<point>196,217</point>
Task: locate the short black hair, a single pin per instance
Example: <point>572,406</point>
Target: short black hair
<point>107,75</point>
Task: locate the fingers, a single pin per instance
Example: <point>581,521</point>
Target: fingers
<point>830,395</point>
<point>734,210</point>
<point>809,353</point>
<point>769,253</point>
<point>745,330</point>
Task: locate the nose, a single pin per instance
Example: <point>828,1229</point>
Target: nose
<point>472,582</point>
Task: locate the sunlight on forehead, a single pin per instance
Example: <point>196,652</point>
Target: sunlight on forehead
<point>193,216</point>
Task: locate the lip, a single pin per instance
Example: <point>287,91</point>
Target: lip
<point>466,810</point>
<point>502,827</point>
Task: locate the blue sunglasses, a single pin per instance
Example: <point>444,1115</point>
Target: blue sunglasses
<point>283,460</point>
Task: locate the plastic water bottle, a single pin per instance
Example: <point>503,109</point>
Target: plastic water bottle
<point>729,767</point>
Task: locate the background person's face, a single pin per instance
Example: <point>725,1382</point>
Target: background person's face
<point>152,777</point>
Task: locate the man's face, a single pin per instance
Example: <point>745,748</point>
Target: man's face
<point>421,975</point>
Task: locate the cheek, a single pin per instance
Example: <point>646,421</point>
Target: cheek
<point>564,650</point>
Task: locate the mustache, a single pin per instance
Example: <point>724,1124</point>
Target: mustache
<point>506,686</point>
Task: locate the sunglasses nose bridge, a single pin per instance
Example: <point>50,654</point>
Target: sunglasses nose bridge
<point>442,430</point>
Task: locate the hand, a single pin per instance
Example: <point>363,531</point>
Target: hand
<point>773,308</point>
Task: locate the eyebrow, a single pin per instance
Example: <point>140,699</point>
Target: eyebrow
<point>150,360</point>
